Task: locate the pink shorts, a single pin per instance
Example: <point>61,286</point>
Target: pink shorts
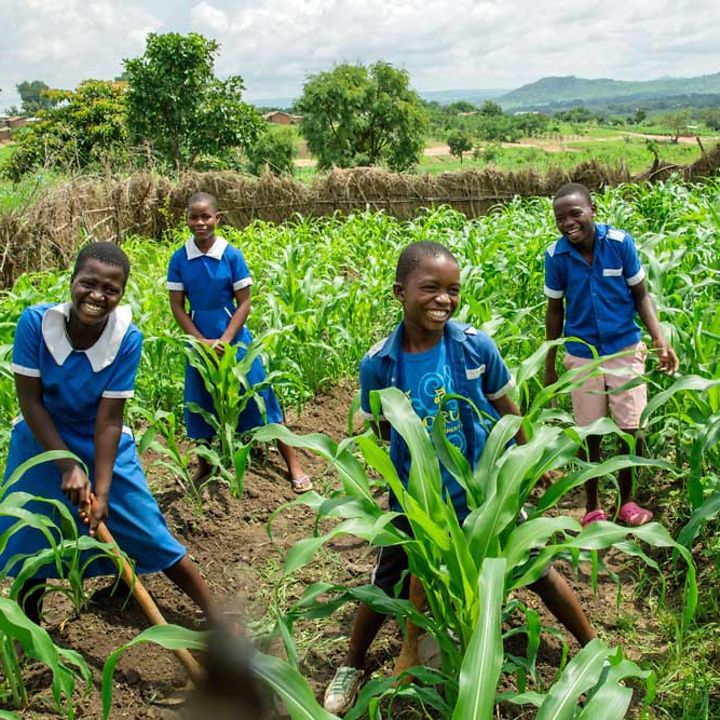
<point>591,401</point>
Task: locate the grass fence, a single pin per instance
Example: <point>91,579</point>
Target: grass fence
<point>46,235</point>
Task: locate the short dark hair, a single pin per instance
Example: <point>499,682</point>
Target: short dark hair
<point>573,189</point>
<point>203,197</point>
<point>413,255</point>
<point>105,252</point>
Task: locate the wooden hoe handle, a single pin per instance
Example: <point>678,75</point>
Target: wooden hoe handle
<point>146,602</point>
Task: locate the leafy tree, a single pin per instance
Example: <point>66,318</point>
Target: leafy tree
<point>576,115</point>
<point>677,121</point>
<point>459,143</point>
<point>640,116</point>
<point>85,126</point>
<point>491,109</point>
<point>498,128</point>
<point>711,117</point>
<point>274,150</point>
<point>461,106</point>
<point>177,104</point>
<point>532,124</point>
<point>33,96</point>
<point>358,115</point>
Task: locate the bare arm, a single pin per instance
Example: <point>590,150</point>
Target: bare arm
<point>74,483</point>
<point>240,316</point>
<point>505,405</point>
<point>554,318</point>
<point>108,428</point>
<point>667,359</point>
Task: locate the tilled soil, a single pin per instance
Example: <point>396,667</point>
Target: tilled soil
<point>228,539</point>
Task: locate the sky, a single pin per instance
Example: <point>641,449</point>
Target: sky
<point>443,44</point>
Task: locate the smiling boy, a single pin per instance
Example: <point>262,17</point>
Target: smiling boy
<point>595,285</point>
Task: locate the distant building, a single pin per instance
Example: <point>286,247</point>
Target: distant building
<point>280,117</point>
<point>4,134</point>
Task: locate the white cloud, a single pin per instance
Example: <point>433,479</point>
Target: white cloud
<point>206,16</point>
<point>274,44</point>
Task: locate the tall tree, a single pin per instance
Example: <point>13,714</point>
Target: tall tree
<point>83,126</point>
<point>33,96</point>
<point>358,115</point>
<point>459,143</point>
<point>177,104</point>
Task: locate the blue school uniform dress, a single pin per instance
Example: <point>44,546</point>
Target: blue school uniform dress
<point>209,281</point>
<point>600,307</point>
<point>73,384</point>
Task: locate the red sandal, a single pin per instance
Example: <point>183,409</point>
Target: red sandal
<point>593,516</point>
<point>632,515</point>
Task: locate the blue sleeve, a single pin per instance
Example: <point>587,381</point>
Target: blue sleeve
<point>26,346</point>
<point>370,379</point>
<point>633,271</point>
<point>121,381</point>
<point>240,273</point>
<point>496,380</point>
<point>174,277</point>
<point>554,285</point>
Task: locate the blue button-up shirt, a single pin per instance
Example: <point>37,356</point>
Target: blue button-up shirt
<point>478,373</point>
<point>599,306</point>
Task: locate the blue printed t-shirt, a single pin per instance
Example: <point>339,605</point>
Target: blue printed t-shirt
<point>599,306</point>
<point>426,378</point>
<point>466,362</point>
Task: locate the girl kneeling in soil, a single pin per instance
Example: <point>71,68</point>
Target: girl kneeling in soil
<point>212,275</point>
<point>428,356</point>
<point>75,365</point>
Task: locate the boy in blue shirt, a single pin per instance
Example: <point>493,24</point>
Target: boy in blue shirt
<point>428,356</point>
<point>594,283</point>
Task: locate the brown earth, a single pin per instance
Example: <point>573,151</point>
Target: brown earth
<point>228,540</point>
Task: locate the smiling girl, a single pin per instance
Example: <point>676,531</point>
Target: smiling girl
<point>74,365</point>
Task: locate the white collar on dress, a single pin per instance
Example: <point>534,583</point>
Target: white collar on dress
<point>106,347</point>
<point>215,252</point>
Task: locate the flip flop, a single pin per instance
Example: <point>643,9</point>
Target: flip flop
<point>301,485</point>
<point>632,515</point>
<point>593,516</point>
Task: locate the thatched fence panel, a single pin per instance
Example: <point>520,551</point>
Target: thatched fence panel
<point>47,234</point>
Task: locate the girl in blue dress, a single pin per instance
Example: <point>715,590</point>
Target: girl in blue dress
<point>74,366</point>
<point>213,277</point>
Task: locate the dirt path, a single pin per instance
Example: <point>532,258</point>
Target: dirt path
<point>230,543</point>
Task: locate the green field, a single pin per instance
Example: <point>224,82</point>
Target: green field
<point>322,297</point>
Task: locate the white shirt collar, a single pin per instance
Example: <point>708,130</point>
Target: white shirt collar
<point>102,353</point>
<point>215,252</point>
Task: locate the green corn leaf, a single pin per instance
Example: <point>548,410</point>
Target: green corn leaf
<point>610,702</point>
<point>170,637</point>
<point>706,512</point>
<point>687,382</point>
<point>48,456</point>
<point>480,670</point>
<point>37,644</point>
<point>290,687</point>
<point>581,674</point>
<point>424,483</point>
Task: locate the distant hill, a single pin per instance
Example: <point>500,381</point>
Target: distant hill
<point>445,97</point>
<point>554,91</point>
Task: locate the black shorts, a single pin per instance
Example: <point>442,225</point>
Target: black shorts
<point>392,566</point>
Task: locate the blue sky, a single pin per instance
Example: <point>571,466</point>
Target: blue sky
<point>443,44</point>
